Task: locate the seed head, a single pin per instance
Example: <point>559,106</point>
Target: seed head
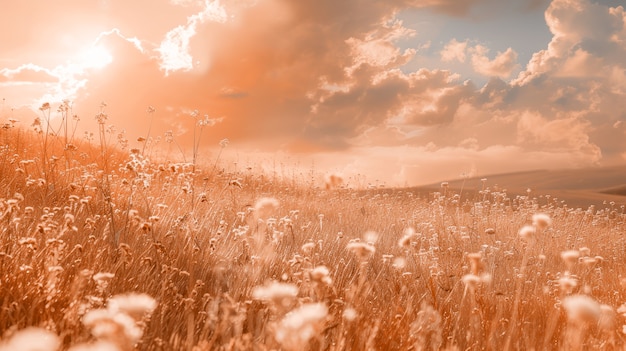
<point>570,257</point>
<point>541,220</point>
<point>527,232</point>
<point>32,339</point>
<point>361,250</point>
<point>300,325</point>
<point>135,305</point>
<point>265,206</point>
<point>582,309</point>
<point>281,294</point>
<point>321,274</point>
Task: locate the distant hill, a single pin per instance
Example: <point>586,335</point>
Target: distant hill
<point>577,187</point>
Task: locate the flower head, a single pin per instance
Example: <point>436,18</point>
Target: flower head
<point>135,305</point>
<point>281,294</point>
<point>265,206</point>
<point>300,325</point>
<point>32,339</point>
<point>582,309</point>
<point>541,220</point>
<point>527,232</point>
<point>361,250</point>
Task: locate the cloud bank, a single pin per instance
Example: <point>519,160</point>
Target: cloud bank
<point>330,80</point>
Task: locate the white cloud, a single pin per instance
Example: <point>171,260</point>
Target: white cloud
<point>454,50</point>
<point>501,66</point>
<point>174,49</point>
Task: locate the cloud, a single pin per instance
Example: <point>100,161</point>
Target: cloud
<point>569,134</point>
<point>590,30</point>
<point>311,79</point>
<point>174,49</point>
<point>501,66</point>
<point>334,79</point>
<point>454,51</point>
<point>27,73</point>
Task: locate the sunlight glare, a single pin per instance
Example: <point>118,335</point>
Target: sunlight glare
<point>96,57</point>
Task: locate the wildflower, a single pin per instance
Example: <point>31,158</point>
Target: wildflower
<point>567,284</point>
<point>32,339</point>
<point>265,206</point>
<point>541,220</point>
<point>471,280</point>
<point>27,241</point>
<point>582,309</point>
<point>370,237</point>
<point>135,305</point>
<point>399,262</point>
<point>361,250</point>
<point>527,232</point>
<point>570,257</point>
<point>224,143</point>
<point>409,236</point>
<point>589,261</point>
<point>103,279</point>
<point>349,314</point>
<point>55,269</point>
<point>321,274</point>
<point>426,329</point>
<point>308,247</point>
<point>281,294</point>
<point>119,328</point>
<point>300,325</point>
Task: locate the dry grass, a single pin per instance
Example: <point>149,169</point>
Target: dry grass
<point>104,249</point>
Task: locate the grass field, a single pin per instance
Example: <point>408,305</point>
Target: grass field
<point>103,247</point>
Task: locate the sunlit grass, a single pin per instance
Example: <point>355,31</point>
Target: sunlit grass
<point>104,248</point>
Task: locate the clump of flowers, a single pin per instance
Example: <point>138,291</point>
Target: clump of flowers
<point>426,329</point>
<point>123,321</point>
<point>281,295</point>
<point>265,206</point>
<point>527,232</point>
<point>102,280</point>
<point>541,220</point>
<point>300,325</point>
<point>361,250</point>
<point>134,305</point>
<point>570,257</point>
<point>32,339</point>
<point>584,314</point>
<point>476,275</point>
<point>408,237</point>
<point>321,274</point>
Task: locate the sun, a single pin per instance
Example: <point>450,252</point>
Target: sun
<point>96,57</point>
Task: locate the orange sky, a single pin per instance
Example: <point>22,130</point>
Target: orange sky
<point>402,91</point>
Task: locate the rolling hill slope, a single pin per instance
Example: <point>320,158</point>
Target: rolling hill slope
<point>577,187</point>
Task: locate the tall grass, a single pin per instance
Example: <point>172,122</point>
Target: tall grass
<point>116,251</point>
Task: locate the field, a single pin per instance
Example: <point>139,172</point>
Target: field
<point>105,247</point>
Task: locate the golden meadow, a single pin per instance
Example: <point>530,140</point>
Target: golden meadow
<point>107,244</point>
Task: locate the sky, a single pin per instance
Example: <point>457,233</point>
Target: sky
<point>401,92</point>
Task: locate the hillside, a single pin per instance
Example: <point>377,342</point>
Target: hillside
<point>577,187</point>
